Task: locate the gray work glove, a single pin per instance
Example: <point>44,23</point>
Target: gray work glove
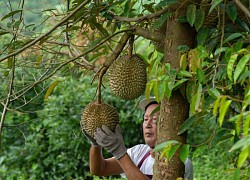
<point>90,139</point>
<point>112,142</point>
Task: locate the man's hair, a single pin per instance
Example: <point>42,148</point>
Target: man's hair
<point>153,102</point>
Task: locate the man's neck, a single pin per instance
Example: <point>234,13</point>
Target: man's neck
<point>152,153</point>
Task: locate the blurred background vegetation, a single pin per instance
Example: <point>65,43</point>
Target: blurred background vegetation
<point>42,139</point>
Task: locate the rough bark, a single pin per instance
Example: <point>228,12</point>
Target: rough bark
<point>175,110</point>
<point>173,114</point>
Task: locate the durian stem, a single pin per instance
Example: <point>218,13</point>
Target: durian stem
<point>131,43</point>
<point>118,49</point>
<point>99,91</point>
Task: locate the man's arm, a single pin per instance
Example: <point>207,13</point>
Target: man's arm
<point>113,143</point>
<point>106,167</point>
<point>100,166</point>
<point>130,169</point>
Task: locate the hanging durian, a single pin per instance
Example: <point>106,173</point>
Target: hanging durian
<point>128,77</point>
<point>95,115</point>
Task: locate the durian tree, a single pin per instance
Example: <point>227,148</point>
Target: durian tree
<point>196,52</point>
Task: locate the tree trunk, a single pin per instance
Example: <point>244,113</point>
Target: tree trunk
<point>175,110</point>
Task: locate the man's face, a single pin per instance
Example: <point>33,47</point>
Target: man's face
<point>149,125</point>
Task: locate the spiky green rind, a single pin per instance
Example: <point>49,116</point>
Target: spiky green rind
<point>128,77</point>
<point>95,115</point>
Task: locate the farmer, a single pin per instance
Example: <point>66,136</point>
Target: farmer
<point>133,163</point>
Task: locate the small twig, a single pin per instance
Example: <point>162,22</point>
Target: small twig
<point>96,74</point>
<point>5,109</point>
<point>242,7</point>
<point>41,79</point>
<point>99,91</point>
<point>139,19</point>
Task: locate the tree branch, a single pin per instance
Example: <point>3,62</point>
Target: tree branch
<point>138,19</point>
<point>113,57</point>
<point>242,7</point>
<point>156,36</point>
<point>46,34</point>
<point>7,102</point>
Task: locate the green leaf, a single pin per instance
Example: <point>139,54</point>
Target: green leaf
<point>242,143</point>
<point>196,99</point>
<point>184,152</point>
<point>244,76</point>
<point>243,156</point>
<point>188,123</point>
<point>231,11</point>
<point>191,14</point>
<point>161,20</point>
<point>12,13</point>
<point>215,3</point>
<point>220,50</point>
<point>202,36</point>
<point>222,135</point>
<point>230,66</point>
<point>223,109</point>
<point>238,47</point>
<point>183,48</point>
<point>158,108</point>
<point>216,105</point>
<point>164,3</point>
<point>155,62</point>
<point>179,83</point>
<point>156,92</point>
<point>240,66</point>
<point>168,88</point>
<point>39,59</point>
<point>127,8</point>
<point>234,118</point>
<point>184,74</point>
<point>190,90</point>
<point>10,62</point>
<point>246,125</point>
<point>103,31</point>
<point>200,75</point>
<point>164,144</point>
<point>183,62</point>
<point>232,36</point>
<point>214,92</point>
<point>199,19</point>
<point>172,151</point>
<point>199,151</point>
<point>236,174</point>
<point>238,124</point>
<point>50,89</point>
<point>149,87</point>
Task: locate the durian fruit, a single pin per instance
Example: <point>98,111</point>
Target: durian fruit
<point>128,77</point>
<point>95,115</point>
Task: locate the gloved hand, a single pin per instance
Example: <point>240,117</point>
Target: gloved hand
<point>112,142</point>
<point>90,139</point>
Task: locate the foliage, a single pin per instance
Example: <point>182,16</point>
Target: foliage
<point>77,38</point>
<point>52,145</point>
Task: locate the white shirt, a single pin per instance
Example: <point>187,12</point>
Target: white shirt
<point>137,152</point>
